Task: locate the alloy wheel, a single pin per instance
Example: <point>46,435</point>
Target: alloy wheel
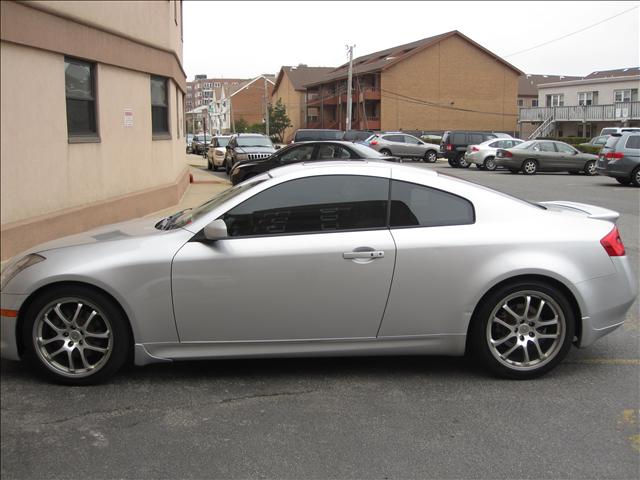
<point>72,337</point>
<point>590,169</point>
<point>529,167</point>
<point>526,330</point>
<point>490,164</point>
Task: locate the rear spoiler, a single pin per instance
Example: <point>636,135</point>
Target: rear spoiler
<point>590,211</point>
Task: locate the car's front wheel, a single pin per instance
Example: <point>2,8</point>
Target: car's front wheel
<point>430,156</point>
<point>462,162</point>
<point>523,330</point>
<point>75,335</point>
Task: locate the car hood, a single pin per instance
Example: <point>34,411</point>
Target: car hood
<point>140,227</point>
<point>255,149</point>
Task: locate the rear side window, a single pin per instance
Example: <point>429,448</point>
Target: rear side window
<point>476,138</point>
<point>312,205</point>
<point>394,138</point>
<point>445,137</point>
<point>612,141</point>
<point>415,205</point>
<point>459,139</point>
<point>633,142</point>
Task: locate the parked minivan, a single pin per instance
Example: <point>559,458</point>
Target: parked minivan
<point>620,158</point>
<point>611,130</point>
<point>316,134</point>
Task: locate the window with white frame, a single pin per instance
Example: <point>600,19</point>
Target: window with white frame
<point>534,102</point>
<point>555,100</point>
<point>207,85</point>
<point>620,96</point>
<point>585,98</point>
<point>520,102</point>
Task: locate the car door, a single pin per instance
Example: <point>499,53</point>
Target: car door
<point>414,147</point>
<point>307,259</point>
<point>431,229</point>
<point>546,156</point>
<point>569,157</point>
<point>396,144</point>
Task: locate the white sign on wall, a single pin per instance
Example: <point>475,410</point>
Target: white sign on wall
<point>128,117</point>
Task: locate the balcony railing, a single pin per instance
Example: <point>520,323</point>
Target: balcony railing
<point>583,113</point>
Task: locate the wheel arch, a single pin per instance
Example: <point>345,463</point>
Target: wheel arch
<point>63,284</point>
<point>554,282</point>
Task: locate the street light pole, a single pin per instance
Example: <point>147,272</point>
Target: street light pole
<point>349,80</point>
<point>266,106</point>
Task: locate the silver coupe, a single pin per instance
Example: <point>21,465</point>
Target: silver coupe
<point>331,258</point>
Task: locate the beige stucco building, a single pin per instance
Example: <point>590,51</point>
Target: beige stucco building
<point>92,115</point>
<point>444,82</point>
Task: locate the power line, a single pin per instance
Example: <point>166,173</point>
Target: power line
<point>570,34</point>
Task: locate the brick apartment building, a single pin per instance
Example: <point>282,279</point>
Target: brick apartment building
<point>201,90</point>
<point>443,82</point>
<point>248,99</point>
<point>290,90</point>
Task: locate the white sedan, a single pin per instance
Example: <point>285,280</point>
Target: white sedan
<point>483,155</point>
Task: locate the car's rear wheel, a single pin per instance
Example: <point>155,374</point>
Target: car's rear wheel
<point>590,167</point>
<point>386,152</point>
<point>452,163</point>
<point>490,164</point>
<point>462,162</point>
<point>75,335</point>
<point>635,177</point>
<point>529,167</point>
<point>523,330</point>
<point>430,156</point>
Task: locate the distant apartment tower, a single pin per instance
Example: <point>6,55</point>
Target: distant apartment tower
<point>92,116</point>
<point>200,91</point>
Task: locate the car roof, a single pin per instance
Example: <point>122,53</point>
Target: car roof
<point>336,166</point>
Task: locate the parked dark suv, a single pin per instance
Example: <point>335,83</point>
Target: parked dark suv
<point>247,146</point>
<point>454,144</point>
<point>620,158</point>
<point>316,134</point>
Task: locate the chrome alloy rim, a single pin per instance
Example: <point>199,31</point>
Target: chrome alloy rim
<point>529,167</point>
<point>591,168</point>
<point>526,330</point>
<point>432,157</point>
<point>638,177</point>
<point>490,164</point>
<point>72,337</point>
<point>463,162</point>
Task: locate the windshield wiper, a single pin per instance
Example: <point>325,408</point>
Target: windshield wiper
<point>166,223</point>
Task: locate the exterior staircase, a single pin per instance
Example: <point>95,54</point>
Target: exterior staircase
<point>544,129</point>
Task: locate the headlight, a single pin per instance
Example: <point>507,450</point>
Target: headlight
<point>16,267</point>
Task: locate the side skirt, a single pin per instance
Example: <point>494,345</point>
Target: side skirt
<point>448,344</point>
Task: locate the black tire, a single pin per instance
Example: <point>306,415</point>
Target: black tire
<point>452,163</point>
<point>490,164</point>
<point>590,168</point>
<point>635,177</point>
<point>515,171</point>
<point>215,167</point>
<point>462,163</point>
<point>529,167</point>
<point>386,152</point>
<point>623,181</point>
<point>430,156</point>
<point>488,343</point>
<point>108,314</point>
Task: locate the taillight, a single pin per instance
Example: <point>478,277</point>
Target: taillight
<point>449,147</point>
<point>613,155</point>
<point>475,149</point>
<point>612,243</point>
<point>373,142</point>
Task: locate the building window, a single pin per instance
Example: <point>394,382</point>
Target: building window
<point>586,98</point>
<point>555,100</point>
<point>534,102</point>
<point>79,83</point>
<point>178,94</point>
<point>622,96</point>
<point>520,102</point>
<point>216,84</point>
<point>159,106</point>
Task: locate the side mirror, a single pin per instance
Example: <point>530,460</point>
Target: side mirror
<point>216,230</point>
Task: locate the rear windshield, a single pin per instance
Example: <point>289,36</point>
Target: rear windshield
<point>612,141</point>
<point>311,135</point>
<point>608,131</point>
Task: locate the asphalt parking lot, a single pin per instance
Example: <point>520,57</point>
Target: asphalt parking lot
<point>399,417</point>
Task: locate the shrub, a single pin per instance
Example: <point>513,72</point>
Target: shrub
<point>589,148</point>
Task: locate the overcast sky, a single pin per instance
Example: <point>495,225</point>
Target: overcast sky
<point>245,39</point>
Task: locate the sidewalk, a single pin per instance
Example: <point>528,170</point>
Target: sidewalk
<point>206,184</point>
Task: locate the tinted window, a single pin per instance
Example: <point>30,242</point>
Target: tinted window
<point>500,144</point>
<point>411,140</point>
<point>313,135</point>
<point>332,152</point>
<point>317,204</point>
<point>544,147</point>
<point>612,141</point>
<point>394,138</point>
<point>417,205</point>
<point>159,108</point>
<point>633,141</point>
<point>80,96</point>
<point>459,139</point>
<point>476,138</point>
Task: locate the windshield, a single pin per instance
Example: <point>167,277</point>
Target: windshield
<point>525,145</point>
<point>254,142</point>
<point>200,138</point>
<point>223,141</point>
<point>185,217</point>
<point>366,152</point>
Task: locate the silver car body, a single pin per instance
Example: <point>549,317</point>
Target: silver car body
<point>488,149</point>
<point>300,295</point>
<point>401,145</point>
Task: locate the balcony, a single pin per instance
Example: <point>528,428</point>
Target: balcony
<point>582,113</point>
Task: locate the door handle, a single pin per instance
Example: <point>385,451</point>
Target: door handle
<point>366,254</point>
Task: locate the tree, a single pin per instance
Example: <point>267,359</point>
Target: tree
<point>242,125</point>
<point>278,121</point>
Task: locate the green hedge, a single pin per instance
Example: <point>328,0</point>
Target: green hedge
<point>588,148</point>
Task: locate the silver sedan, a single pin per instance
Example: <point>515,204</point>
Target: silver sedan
<point>335,258</point>
<point>483,155</point>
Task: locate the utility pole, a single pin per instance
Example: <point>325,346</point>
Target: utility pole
<point>266,106</point>
<point>349,80</point>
